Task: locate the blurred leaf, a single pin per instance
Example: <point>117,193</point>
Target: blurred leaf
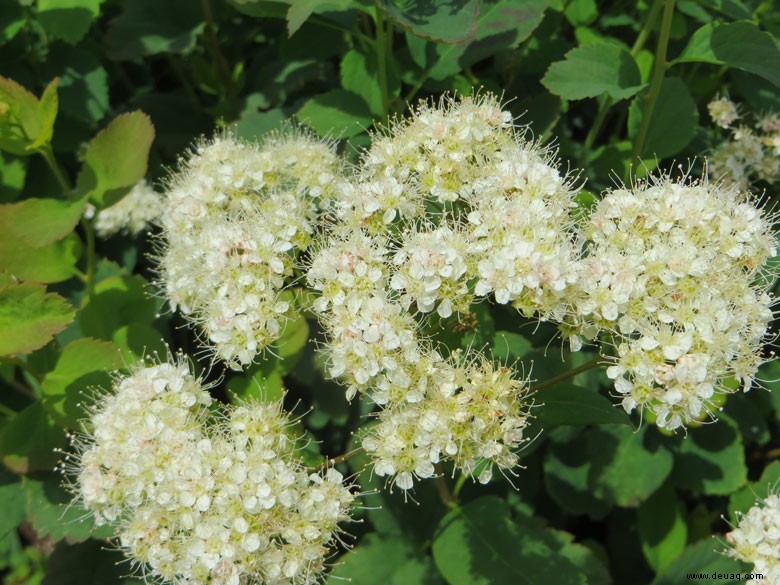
<point>741,45</point>
<point>30,317</point>
<point>26,123</point>
<point>702,558</point>
<point>292,341</point>
<point>138,340</point>
<point>11,21</point>
<point>385,560</point>
<point>626,466</point>
<point>742,500</point>
<point>12,178</point>
<point>83,364</point>
<point>501,24</point>
<point>581,12</point>
<point>450,22</point>
<point>88,563</point>
<point>674,122</point>
<point>116,158</point>
<point>593,70</point>
<point>83,87</point>
<point>359,74</point>
<point>150,27</point>
<point>751,421</point>
<point>301,10</point>
<point>38,222</point>
<point>28,441</point>
<point>509,346</point>
<point>11,502</point>
<point>662,528</point>
<point>567,404</point>
<point>53,513</point>
<point>711,459</point>
<point>480,544</point>
<point>68,20</point>
<point>119,300</point>
<point>336,113</point>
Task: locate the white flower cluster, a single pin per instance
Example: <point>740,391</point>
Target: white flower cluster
<point>448,206</point>
<point>673,273</point>
<point>198,498</point>
<point>750,153</point>
<point>234,218</point>
<point>756,539</point>
<point>131,214</point>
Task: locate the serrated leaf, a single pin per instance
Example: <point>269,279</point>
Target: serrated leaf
<point>674,122</point>
<point>150,27</point>
<point>481,544</point>
<point>741,45</point>
<point>30,317</point>
<point>38,222</point>
<point>593,70</point>
<point>29,440</point>
<point>83,364</point>
<point>710,459</point>
<point>662,528</point>
<point>385,560</point>
<point>627,466</point>
<point>26,123</point>
<point>68,20</point>
<point>567,404</point>
<point>702,558</point>
<point>116,158</point>
<point>338,113</point>
<point>442,22</point>
<point>501,24</point>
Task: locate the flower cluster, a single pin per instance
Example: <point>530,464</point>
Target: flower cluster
<point>198,498</point>
<point>750,153</point>
<point>234,218</point>
<point>673,273</point>
<point>756,539</point>
<point>131,214</point>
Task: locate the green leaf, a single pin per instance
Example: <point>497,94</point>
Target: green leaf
<point>26,123</point>
<point>338,113</point>
<point>119,301</point>
<point>68,20</point>
<point>53,513</point>
<point>627,466</point>
<point>301,10</point>
<point>711,459</point>
<point>662,528</point>
<point>11,21</point>
<point>567,471</point>
<point>83,364</point>
<point>593,70</point>
<point>674,122</point>
<point>116,158</point>
<point>53,262</point>
<point>88,563</point>
<point>444,22</point>
<point>501,24</point>
<point>385,560</point>
<point>28,441</point>
<point>11,502</point>
<point>83,87</point>
<point>359,74</point>
<point>567,404</point>
<point>150,27</point>
<point>30,317</point>
<point>138,340</point>
<point>13,176</point>
<point>741,45</point>
<point>509,346</point>
<point>702,558</point>
<point>38,222</point>
<point>480,544</point>
<point>741,501</point>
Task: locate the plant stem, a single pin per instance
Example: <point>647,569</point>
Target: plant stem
<point>381,57</point>
<point>659,69</point>
<point>62,179</point>
<point>223,70</point>
<point>339,459</point>
<point>570,374</point>
<point>459,485</point>
<point>444,489</point>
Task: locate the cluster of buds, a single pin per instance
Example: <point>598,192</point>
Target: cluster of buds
<point>235,217</point>
<point>130,215</point>
<point>200,496</point>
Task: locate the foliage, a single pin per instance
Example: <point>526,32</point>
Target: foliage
<point>96,95</point>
